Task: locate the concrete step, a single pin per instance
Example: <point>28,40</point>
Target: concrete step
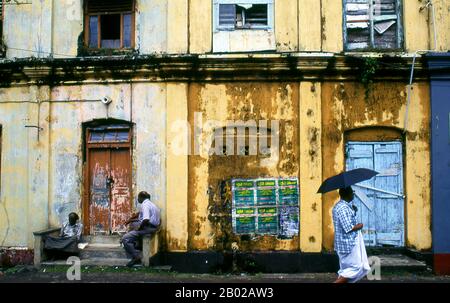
<point>102,239</point>
<point>392,262</point>
<point>100,250</point>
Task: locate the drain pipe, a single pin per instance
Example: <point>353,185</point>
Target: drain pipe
<point>411,78</point>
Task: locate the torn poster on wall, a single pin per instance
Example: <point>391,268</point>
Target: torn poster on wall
<point>266,206</point>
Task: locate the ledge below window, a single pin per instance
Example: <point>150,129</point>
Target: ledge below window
<point>98,52</point>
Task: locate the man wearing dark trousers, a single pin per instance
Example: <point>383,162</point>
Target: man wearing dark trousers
<point>148,221</point>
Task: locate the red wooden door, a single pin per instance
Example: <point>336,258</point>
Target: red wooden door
<point>109,182</point>
<point>121,207</point>
<point>99,195</point>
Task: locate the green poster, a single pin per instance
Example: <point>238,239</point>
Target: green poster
<point>243,184</point>
<point>267,210</point>
<point>245,211</point>
<point>287,182</point>
<point>244,197</point>
<point>266,183</point>
<point>266,197</point>
<point>245,225</point>
<point>288,192</point>
<point>268,225</point>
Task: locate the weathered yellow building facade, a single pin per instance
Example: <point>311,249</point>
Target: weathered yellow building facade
<point>297,72</point>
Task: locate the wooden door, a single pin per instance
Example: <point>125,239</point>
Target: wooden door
<point>380,200</point>
<point>108,191</point>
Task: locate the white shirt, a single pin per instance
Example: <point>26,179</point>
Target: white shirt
<point>149,211</point>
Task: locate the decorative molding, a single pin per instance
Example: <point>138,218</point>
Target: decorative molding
<point>206,68</point>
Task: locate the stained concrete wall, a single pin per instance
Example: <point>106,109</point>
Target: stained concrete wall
<point>209,221</point>
<point>348,106</point>
<point>181,26</point>
<point>42,180</point>
<point>44,177</point>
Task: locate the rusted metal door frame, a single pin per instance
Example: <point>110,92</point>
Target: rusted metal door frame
<point>87,173</point>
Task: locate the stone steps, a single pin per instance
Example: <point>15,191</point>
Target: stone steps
<point>400,262</point>
<point>105,251</point>
<point>102,239</point>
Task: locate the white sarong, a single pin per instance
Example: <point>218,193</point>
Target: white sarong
<point>354,266</point>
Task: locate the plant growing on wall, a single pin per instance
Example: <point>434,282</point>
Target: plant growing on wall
<point>367,72</point>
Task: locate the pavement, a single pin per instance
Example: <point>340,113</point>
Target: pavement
<point>89,274</point>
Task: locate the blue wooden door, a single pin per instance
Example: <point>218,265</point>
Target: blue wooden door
<point>380,201</point>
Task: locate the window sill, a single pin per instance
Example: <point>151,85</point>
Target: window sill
<point>98,52</point>
<point>224,29</point>
<point>375,50</point>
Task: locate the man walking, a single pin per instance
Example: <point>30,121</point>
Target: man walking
<point>348,240</point>
<point>148,221</point>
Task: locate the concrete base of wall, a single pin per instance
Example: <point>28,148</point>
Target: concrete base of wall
<point>281,261</point>
<point>254,262</point>
<point>441,264</point>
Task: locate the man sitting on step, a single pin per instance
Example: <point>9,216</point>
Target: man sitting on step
<point>148,219</point>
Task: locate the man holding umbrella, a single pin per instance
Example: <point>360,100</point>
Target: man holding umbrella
<point>348,239</point>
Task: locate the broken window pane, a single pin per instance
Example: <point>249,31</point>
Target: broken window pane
<point>256,15</point>
<point>385,24</point>
<point>243,16</point>
<point>110,31</point>
<point>372,24</point>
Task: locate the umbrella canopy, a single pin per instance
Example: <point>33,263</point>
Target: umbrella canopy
<point>346,179</point>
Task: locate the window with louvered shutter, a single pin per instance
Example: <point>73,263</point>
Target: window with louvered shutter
<point>243,14</point>
<point>109,24</point>
<point>373,24</point>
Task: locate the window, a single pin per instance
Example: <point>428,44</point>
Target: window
<point>110,134</point>
<point>372,24</point>
<point>243,14</point>
<point>109,24</point>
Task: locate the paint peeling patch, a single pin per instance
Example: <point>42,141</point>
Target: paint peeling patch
<point>12,256</point>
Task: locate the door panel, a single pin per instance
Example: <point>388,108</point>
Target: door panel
<point>99,167</point>
<point>358,156</point>
<point>121,207</point>
<point>384,223</point>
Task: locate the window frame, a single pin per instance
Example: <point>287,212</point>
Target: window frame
<point>87,33</point>
<point>372,47</point>
<point>270,15</point>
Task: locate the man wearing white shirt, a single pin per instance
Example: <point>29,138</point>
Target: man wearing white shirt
<point>148,221</point>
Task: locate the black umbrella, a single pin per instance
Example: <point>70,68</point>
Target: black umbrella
<point>346,179</point>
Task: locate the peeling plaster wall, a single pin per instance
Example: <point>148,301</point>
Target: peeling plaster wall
<point>181,26</point>
<point>27,29</point>
<point>347,106</point>
<point>68,20</point>
<point>151,26</point>
<point>42,181</point>
<point>149,115</point>
<point>23,199</point>
<point>209,213</point>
